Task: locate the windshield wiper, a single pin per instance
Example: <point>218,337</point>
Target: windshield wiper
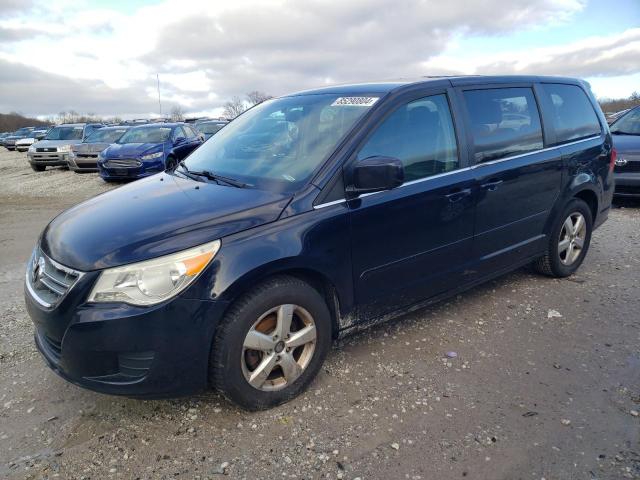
<point>622,132</point>
<point>213,176</point>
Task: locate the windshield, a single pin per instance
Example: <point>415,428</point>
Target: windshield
<point>210,127</point>
<point>105,135</point>
<point>279,143</point>
<point>629,123</point>
<point>23,131</point>
<point>146,135</point>
<point>64,133</point>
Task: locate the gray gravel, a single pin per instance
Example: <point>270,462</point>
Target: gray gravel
<point>544,383</point>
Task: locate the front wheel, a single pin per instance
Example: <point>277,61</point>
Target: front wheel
<point>271,344</point>
<point>569,242</point>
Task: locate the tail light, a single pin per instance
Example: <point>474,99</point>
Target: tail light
<point>614,157</point>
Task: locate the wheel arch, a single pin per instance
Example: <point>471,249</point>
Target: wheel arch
<point>313,277</point>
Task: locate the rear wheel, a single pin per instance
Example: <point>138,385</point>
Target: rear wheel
<point>569,241</point>
<point>271,344</point>
<point>38,168</point>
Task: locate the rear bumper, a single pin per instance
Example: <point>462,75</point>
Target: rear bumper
<point>627,184</point>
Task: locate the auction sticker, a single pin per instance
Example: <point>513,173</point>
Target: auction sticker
<point>355,101</point>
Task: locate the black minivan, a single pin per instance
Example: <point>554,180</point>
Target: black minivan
<point>313,215</point>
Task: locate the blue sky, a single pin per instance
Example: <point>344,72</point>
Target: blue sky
<point>103,56</point>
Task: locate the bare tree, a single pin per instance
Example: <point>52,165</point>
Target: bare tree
<point>234,107</point>
<point>256,96</point>
<point>177,113</point>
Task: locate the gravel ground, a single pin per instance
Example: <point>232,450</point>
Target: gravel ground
<point>546,382</point>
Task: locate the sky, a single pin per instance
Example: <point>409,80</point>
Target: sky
<point>102,57</point>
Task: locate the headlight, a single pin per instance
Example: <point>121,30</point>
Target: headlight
<point>153,281</point>
<point>64,148</point>
<point>151,156</point>
<point>32,148</point>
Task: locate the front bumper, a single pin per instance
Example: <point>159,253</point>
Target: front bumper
<point>151,352</point>
<point>144,169</point>
<point>83,163</point>
<point>627,184</point>
<point>51,159</point>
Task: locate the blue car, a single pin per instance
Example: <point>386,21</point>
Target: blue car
<point>311,216</point>
<point>146,150</point>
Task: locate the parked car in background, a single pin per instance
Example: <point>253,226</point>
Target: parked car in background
<point>40,133</point>
<point>148,149</point>
<point>210,127</point>
<point>55,147</point>
<point>626,140</point>
<point>310,216</point>
<point>9,141</point>
<point>23,144</point>
<point>84,156</point>
<point>612,117</point>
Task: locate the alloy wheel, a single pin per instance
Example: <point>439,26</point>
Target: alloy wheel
<point>572,238</point>
<point>278,347</point>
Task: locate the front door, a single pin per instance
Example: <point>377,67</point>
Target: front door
<point>413,242</point>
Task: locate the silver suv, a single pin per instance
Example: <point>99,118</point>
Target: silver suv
<point>55,147</point>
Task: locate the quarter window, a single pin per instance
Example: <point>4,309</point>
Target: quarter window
<point>572,114</point>
<point>504,122</point>
<point>420,134</point>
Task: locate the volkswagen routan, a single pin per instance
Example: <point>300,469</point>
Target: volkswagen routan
<point>311,216</point>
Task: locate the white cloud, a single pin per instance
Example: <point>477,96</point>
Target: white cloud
<point>207,52</point>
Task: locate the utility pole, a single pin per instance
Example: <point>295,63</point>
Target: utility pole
<point>159,102</point>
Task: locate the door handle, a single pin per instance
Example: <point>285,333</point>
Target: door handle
<point>458,194</point>
<point>491,185</point>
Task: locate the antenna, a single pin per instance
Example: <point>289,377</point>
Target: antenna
<point>159,102</point>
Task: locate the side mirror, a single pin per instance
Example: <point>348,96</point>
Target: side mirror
<point>375,174</point>
<point>179,140</point>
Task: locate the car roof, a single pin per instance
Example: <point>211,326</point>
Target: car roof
<point>158,125</point>
<point>389,86</point>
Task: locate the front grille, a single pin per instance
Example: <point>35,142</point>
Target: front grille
<point>123,163</point>
<point>87,155</point>
<point>46,149</point>
<point>48,281</point>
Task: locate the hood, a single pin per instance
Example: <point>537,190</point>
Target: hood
<point>90,147</point>
<point>154,216</point>
<point>626,143</point>
<point>56,143</point>
<point>128,150</point>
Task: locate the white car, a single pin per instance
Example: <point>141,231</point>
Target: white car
<point>23,144</point>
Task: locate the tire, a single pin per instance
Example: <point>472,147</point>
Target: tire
<point>258,313</point>
<point>559,261</point>
<point>38,168</point>
<point>171,163</point>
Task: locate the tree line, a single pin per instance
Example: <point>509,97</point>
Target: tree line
<point>12,121</point>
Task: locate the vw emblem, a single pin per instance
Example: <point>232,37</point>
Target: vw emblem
<point>621,161</point>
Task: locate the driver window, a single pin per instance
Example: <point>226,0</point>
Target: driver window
<point>420,134</point>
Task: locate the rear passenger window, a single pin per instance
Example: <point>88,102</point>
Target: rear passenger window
<point>420,134</point>
<point>504,122</point>
<point>572,114</point>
